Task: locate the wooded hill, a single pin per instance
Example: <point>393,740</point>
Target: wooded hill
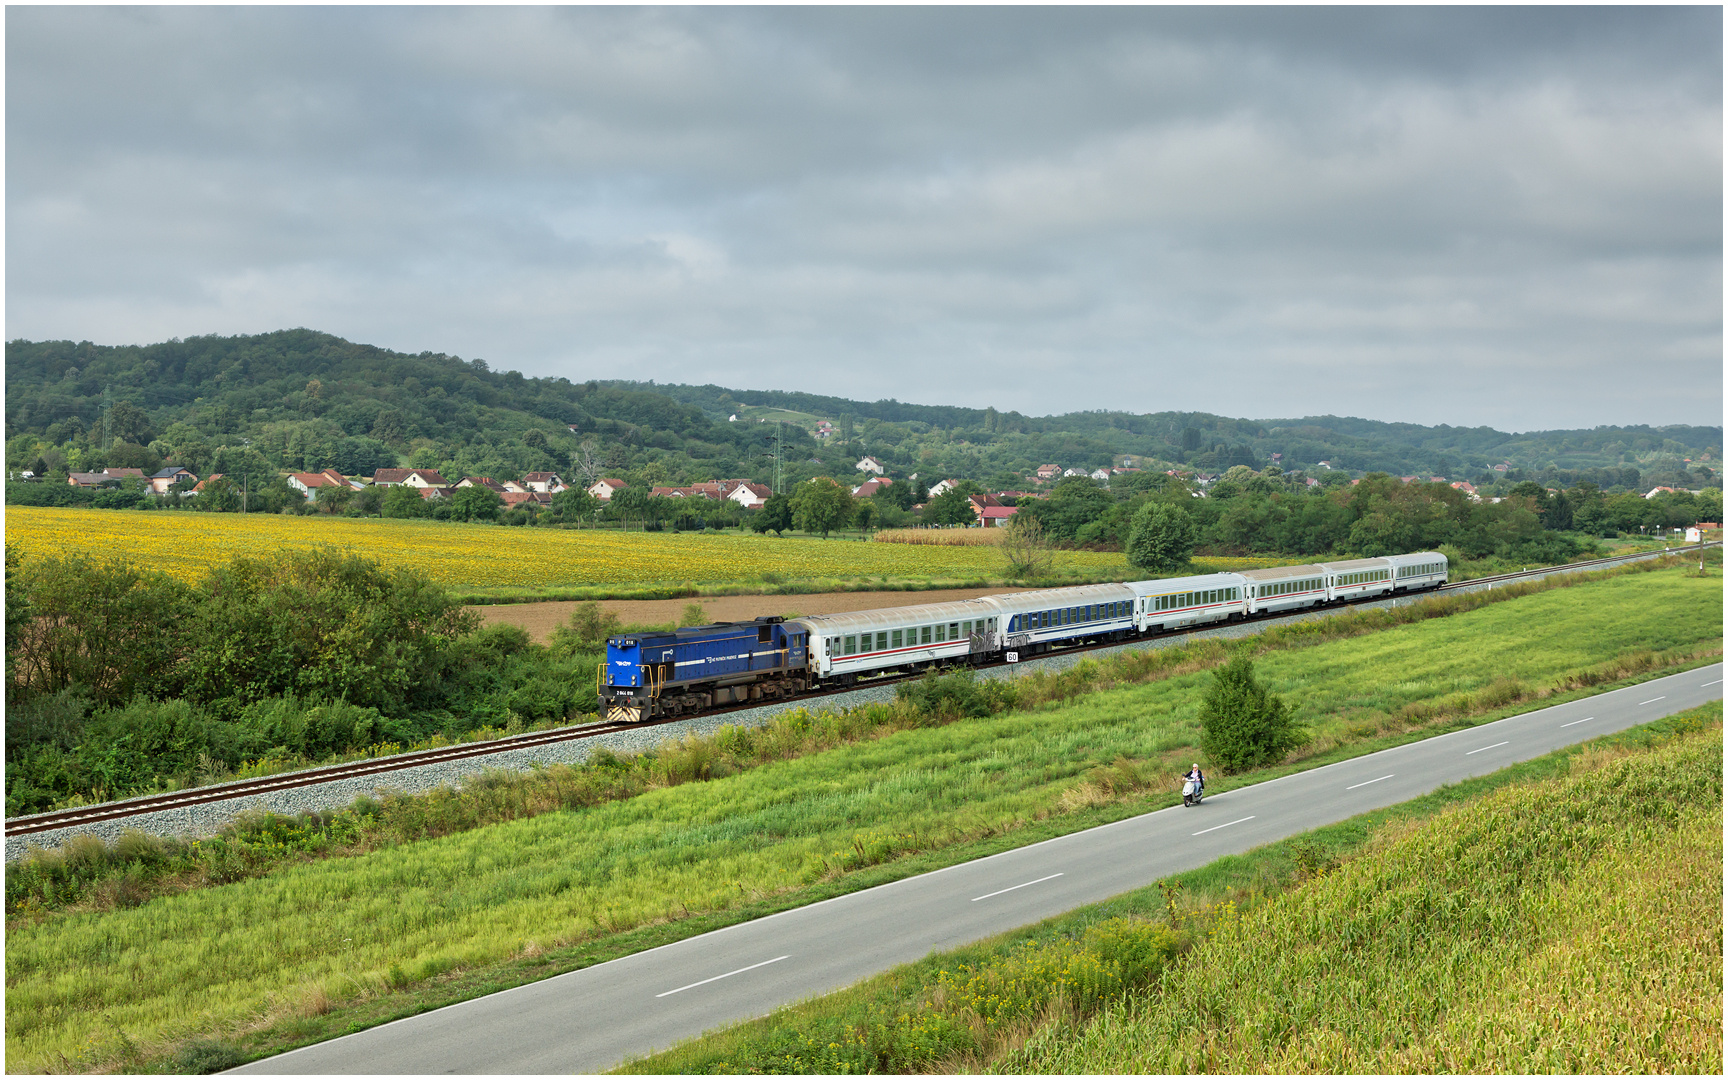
<point>307,400</point>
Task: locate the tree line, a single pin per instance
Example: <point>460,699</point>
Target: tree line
<point>120,679</point>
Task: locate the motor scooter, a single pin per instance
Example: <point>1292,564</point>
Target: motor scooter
<point>1192,792</point>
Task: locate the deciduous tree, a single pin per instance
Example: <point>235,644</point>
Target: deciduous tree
<point>821,505</point>
<point>1162,537</point>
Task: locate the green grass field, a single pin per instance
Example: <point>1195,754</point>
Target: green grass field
<point>1573,926</point>
<point>264,954</point>
<point>1483,928</point>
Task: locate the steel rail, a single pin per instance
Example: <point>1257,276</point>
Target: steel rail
<point>149,804</point>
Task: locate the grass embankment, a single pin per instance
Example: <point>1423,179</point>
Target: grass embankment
<point>317,947</point>
<point>1562,915</point>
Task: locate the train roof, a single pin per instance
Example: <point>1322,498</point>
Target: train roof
<point>1190,583</point>
<point>1040,599</point>
<point>700,633</point>
<point>1416,557</point>
<point>1279,573</point>
<point>1357,564</point>
<point>886,618</point>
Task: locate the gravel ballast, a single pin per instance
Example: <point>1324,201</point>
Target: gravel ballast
<point>207,819</point>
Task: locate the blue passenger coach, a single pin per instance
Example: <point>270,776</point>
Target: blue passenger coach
<point>661,674</point>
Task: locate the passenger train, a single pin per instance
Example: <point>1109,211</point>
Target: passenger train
<point>695,668</point>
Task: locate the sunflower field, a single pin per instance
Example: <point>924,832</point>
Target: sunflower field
<point>459,555</point>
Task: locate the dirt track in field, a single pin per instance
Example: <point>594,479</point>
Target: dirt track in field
<point>539,619</point>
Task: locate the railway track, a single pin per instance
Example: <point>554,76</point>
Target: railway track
<point>111,811</point>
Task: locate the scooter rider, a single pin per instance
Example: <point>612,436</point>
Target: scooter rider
<point>1198,777</point>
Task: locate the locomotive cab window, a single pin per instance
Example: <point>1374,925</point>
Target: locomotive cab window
<point>764,635</point>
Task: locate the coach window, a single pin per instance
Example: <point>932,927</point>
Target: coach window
<point>899,639</point>
<point>881,641</point>
<point>851,645</point>
<point>953,631</point>
<point>924,635</point>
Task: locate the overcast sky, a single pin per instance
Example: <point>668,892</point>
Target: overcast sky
<point>1469,216</point>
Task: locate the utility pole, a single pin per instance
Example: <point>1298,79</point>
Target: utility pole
<point>779,454</point>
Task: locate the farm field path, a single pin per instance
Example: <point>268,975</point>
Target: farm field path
<point>593,1018</point>
<point>539,619</point>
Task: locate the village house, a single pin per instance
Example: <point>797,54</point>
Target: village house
<point>309,484</point>
<point>198,488</point>
<point>414,478</point>
<point>544,483</point>
<point>106,476</point>
<point>870,487</point>
<point>1049,472</point>
<point>605,489</point>
<point>750,496</point>
<point>514,499</point>
<point>482,481</point>
<point>871,465</point>
<point>942,487</point>
<point>989,512</point>
<point>163,479</point>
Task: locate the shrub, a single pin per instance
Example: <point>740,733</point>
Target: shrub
<point>1241,725</point>
<point>206,1056</point>
<point>587,631</point>
<point>956,695</point>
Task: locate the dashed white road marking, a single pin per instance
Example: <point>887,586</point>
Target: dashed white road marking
<point>1479,749</point>
<point>1226,825</point>
<point>1011,888</point>
<point>1376,780</point>
<point>717,978</point>
<point>1653,700</point>
<point>1586,720</point>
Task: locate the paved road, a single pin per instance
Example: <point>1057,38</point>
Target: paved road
<point>590,1020</point>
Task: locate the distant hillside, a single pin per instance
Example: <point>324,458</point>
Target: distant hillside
<point>308,400</point>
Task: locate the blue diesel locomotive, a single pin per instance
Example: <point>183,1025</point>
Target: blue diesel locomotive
<point>698,667</point>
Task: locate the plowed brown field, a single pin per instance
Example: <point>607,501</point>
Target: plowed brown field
<point>539,619</point>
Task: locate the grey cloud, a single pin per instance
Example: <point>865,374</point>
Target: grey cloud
<point>1034,208</point>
